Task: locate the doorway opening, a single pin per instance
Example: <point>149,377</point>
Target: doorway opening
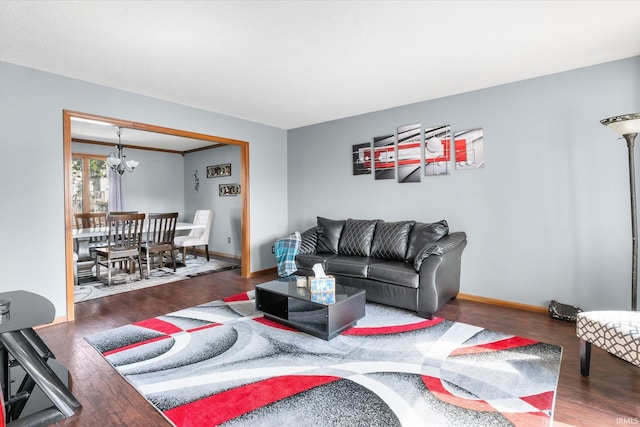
<point>68,202</point>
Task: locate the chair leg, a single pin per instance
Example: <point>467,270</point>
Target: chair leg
<point>585,357</point>
<point>173,259</point>
<point>147,256</point>
<point>206,249</point>
<point>109,268</point>
<point>140,265</point>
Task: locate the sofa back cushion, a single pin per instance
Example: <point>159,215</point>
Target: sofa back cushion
<point>309,241</point>
<point>356,237</point>
<point>329,232</point>
<point>391,240</point>
<point>423,235</point>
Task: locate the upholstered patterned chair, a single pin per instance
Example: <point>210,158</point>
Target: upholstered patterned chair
<point>197,236</point>
<point>617,332</point>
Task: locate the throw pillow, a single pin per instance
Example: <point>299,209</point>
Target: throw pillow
<point>424,235</point>
<point>329,231</point>
<point>309,241</point>
<point>356,237</point>
<point>391,240</point>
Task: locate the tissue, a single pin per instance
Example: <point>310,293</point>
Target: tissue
<point>318,271</point>
<point>321,282</point>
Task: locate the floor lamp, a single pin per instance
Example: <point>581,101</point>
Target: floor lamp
<point>628,126</point>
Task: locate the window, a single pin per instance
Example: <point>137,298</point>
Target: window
<point>89,183</point>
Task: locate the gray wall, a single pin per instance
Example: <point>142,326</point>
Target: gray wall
<point>227,211</point>
<point>547,218</point>
<point>32,218</point>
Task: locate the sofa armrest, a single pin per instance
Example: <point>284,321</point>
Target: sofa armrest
<point>451,241</point>
<point>440,274</point>
<point>445,245</point>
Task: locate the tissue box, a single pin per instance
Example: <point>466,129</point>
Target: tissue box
<point>325,298</point>
<point>322,284</point>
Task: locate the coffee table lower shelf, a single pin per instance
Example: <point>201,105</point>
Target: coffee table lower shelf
<point>283,302</point>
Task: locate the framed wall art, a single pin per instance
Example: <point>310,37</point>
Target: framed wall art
<point>437,150</point>
<point>361,154</point>
<point>409,146</point>
<point>228,190</point>
<point>384,156</point>
<point>219,170</point>
<point>469,149</point>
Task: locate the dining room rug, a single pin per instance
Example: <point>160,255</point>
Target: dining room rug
<point>90,287</point>
<point>224,363</point>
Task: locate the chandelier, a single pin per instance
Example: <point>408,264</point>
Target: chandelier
<point>117,162</point>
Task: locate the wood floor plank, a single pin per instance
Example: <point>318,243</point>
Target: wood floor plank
<point>609,397</point>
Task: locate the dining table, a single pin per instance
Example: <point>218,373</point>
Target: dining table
<point>82,236</point>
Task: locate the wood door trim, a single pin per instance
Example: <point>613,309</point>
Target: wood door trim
<point>67,156</point>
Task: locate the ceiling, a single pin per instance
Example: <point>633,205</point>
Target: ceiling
<point>295,63</point>
<point>83,130</point>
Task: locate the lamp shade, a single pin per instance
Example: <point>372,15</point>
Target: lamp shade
<point>113,161</point>
<point>625,124</point>
<point>132,164</point>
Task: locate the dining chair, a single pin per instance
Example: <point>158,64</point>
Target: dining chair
<point>160,233</point>
<point>92,220</point>
<point>85,258</point>
<point>124,237</point>
<point>197,236</point>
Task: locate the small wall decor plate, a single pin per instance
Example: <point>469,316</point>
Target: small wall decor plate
<point>229,190</point>
<point>219,170</point>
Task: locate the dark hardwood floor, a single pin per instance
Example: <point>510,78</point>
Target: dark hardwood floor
<point>609,397</point>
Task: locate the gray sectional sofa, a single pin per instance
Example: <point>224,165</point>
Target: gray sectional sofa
<point>406,264</point>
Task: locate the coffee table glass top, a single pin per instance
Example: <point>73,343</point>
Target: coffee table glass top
<point>287,286</point>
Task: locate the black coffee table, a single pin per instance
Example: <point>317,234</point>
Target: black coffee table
<point>284,302</point>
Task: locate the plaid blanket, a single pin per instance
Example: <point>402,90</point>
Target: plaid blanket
<point>286,250</point>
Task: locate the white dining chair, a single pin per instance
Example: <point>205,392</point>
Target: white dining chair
<point>197,236</point>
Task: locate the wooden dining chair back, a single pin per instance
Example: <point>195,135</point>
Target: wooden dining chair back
<point>160,233</point>
<point>91,220</point>
<point>124,237</point>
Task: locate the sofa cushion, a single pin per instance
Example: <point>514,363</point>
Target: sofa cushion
<point>395,272</point>
<point>391,240</point>
<point>307,261</point>
<point>329,231</point>
<point>354,266</point>
<point>423,235</point>
<point>356,237</point>
<point>309,241</point>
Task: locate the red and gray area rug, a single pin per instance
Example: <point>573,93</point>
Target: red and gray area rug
<point>222,363</point>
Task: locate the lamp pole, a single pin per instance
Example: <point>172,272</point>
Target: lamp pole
<point>628,125</point>
<point>630,138</point>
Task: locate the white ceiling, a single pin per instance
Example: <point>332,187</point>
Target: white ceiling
<point>83,131</point>
<point>289,64</point>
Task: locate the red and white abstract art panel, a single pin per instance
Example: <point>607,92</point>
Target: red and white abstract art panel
<point>437,150</point>
<point>469,146</point>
